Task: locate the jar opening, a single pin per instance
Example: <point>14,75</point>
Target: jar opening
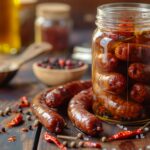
<point>131,14</point>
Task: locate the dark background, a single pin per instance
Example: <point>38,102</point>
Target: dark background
<point>84,11</point>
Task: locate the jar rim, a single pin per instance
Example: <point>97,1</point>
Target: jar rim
<point>123,13</point>
<point>126,5</point>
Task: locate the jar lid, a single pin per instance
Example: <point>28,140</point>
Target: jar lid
<point>53,10</point>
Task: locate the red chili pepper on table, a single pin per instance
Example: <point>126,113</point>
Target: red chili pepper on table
<point>15,121</point>
<point>24,102</point>
<point>50,138</point>
<point>127,134</point>
<point>89,144</point>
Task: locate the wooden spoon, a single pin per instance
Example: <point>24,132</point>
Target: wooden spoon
<point>10,68</point>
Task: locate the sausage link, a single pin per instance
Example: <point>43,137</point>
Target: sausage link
<point>78,113</point>
<point>118,107</point>
<point>139,72</point>
<point>112,82</point>
<point>107,62</point>
<point>132,52</point>
<point>140,92</point>
<point>48,117</point>
<point>62,94</point>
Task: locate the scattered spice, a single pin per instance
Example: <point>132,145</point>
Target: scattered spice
<point>1,113</point>
<point>28,117</point>
<point>25,129</point>
<point>91,144</point>
<point>12,139</point>
<point>146,129</point>
<point>30,127</point>
<point>20,110</point>
<point>7,110</point>
<point>36,123</point>
<point>104,139</point>
<point>15,121</point>
<point>2,129</point>
<point>24,102</point>
<point>80,144</point>
<point>65,143</point>
<point>80,135</point>
<point>28,113</point>
<point>50,138</point>
<point>72,144</point>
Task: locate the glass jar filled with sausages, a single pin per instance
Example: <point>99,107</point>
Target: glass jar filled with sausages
<point>121,63</point>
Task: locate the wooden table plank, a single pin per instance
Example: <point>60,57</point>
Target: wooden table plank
<point>26,84</point>
<point>109,129</point>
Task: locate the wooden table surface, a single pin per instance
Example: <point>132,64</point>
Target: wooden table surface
<point>26,84</point>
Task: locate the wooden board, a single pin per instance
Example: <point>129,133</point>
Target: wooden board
<point>24,140</point>
<point>24,84</point>
<point>109,129</point>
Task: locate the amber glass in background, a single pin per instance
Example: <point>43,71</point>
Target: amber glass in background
<point>9,27</point>
<point>121,63</point>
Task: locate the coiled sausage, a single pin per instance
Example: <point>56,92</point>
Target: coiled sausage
<point>78,112</point>
<point>140,92</point>
<point>117,107</point>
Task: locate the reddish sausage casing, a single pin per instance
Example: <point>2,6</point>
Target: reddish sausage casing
<point>117,107</point>
<point>132,52</point>
<point>78,113</point>
<point>63,93</point>
<point>48,117</point>
<point>112,82</point>
<point>107,62</point>
<point>140,92</point>
<point>139,72</point>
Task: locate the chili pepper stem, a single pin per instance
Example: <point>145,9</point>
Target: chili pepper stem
<point>146,125</point>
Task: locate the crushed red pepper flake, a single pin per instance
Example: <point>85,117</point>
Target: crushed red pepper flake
<point>12,139</point>
<point>15,121</point>
<point>50,138</point>
<point>24,102</point>
<point>24,129</point>
<point>91,144</point>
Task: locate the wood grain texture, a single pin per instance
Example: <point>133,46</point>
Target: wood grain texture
<point>26,84</point>
<point>109,129</point>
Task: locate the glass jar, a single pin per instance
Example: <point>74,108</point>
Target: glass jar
<point>9,27</point>
<point>27,17</point>
<point>53,25</point>
<point>121,63</point>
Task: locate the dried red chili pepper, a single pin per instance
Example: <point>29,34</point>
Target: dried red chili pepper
<point>128,133</point>
<point>15,121</point>
<point>90,144</point>
<point>125,134</point>
<point>24,102</point>
<point>50,138</point>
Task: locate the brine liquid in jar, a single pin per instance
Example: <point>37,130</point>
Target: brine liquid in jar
<point>121,63</point>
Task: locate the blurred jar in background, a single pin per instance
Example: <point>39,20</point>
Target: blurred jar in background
<point>27,18</point>
<point>53,25</point>
<point>9,27</point>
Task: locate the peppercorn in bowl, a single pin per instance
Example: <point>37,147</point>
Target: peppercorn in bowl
<point>55,71</point>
